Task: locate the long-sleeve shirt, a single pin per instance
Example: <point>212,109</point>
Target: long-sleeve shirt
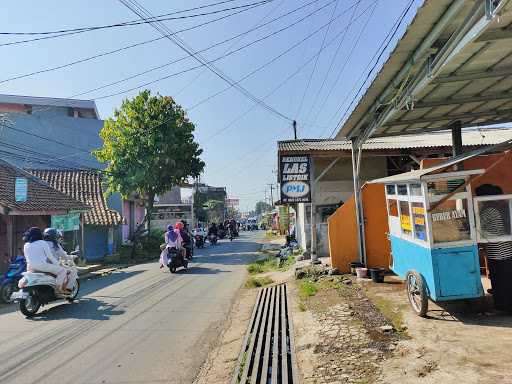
<point>38,253</point>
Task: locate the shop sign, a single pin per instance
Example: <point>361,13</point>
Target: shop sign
<point>21,189</point>
<point>295,174</point>
<point>449,215</point>
<point>66,223</point>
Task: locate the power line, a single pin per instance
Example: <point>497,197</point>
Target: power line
<point>333,60</point>
<point>342,70</point>
<point>318,57</point>
<point>202,50</point>
<point>280,85</point>
<point>153,19</point>
<point>162,28</point>
<point>117,50</point>
<point>231,53</point>
<point>385,46</point>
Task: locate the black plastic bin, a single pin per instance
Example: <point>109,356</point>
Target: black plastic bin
<point>377,274</point>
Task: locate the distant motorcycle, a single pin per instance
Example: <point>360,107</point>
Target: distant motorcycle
<point>38,289</point>
<point>199,240</point>
<point>11,278</point>
<point>176,260</point>
<point>212,239</point>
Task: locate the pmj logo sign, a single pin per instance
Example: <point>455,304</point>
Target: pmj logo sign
<point>295,179</point>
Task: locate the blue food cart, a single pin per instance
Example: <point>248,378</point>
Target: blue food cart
<point>433,235</point>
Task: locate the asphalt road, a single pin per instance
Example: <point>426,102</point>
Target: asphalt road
<point>139,325</point>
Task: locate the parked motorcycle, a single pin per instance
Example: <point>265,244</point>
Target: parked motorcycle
<point>176,260</point>
<point>11,278</point>
<point>38,289</point>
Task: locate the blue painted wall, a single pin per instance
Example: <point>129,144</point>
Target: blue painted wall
<point>96,246</point>
<point>449,273</point>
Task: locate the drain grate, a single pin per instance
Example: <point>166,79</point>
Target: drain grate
<point>267,354</point>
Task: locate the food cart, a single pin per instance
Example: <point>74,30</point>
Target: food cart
<point>433,235</point>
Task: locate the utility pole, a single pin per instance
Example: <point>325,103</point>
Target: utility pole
<point>295,129</point>
<point>271,194</point>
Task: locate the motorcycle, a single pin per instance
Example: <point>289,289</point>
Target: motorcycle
<point>199,240</point>
<point>12,277</point>
<point>176,260</point>
<point>212,238</point>
<point>38,289</point>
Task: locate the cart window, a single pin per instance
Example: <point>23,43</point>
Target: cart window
<point>418,217</point>
<point>443,187</point>
<point>391,189</point>
<point>392,207</point>
<point>494,218</point>
<point>450,221</point>
<point>402,189</point>
<point>415,189</point>
<point>405,218</point>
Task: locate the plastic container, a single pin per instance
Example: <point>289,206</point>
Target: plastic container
<point>377,274</point>
<point>362,272</point>
<point>355,265</point>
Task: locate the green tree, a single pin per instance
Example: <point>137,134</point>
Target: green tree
<point>262,207</point>
<point>233,213</point>
<point>149,147</point>
<point>214,210</point>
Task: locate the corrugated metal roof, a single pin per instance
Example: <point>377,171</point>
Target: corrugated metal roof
<point>425,172</point>
<point>463,74</point>
<point>432,140</point>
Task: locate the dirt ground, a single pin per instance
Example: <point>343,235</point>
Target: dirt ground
<point>457,343</point>
<point>222,360</point>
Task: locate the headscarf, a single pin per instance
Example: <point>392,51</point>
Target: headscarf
<point>171,235</point>
<point>179,225</point>
<point>33,234</point>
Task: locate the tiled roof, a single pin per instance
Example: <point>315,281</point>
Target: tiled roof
<point>432,140</point>
<point>40,196</point>
<point>85,186</point>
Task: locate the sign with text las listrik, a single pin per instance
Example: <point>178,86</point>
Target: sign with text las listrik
<point>295,174</point>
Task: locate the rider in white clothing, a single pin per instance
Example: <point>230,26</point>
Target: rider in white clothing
<point>52,236</point>
<point>40,257</point>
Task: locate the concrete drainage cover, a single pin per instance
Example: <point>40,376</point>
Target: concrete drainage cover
<point>267,354</point>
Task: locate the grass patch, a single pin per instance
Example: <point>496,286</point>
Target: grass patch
<point>307,288</point>
<point>390,310</point>
<point>256,282</point>
<point>270,263</point>
<point>302,307</point>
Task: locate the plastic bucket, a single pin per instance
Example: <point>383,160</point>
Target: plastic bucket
<point>355,265</point>
<point>377,274</point>
<point>361,272</point>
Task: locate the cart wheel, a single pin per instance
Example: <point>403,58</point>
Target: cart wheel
<point>417,293</point>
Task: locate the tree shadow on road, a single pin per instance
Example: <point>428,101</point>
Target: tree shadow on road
<point>200,271</point>
<point>94,284</point>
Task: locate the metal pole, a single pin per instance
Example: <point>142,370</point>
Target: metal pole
<point>355,177</point>
<point>314,256</point>
<point>295,129</point>
<point>457,138</point>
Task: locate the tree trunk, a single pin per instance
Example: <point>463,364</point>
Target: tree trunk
<point>151,202</point>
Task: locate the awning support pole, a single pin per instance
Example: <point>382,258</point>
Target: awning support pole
<point>457,138</point>
<point>314,255</point>
<point>357,200</point>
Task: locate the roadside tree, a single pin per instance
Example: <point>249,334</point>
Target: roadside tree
<point>149,147</point>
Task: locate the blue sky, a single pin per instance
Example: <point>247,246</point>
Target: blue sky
<point>243,155</point>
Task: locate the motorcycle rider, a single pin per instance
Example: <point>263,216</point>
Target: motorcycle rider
<point>40,257</point>
<point>52,237</point>
<point>187,239</point>
<point>172,240</point>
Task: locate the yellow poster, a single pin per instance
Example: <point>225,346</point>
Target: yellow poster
<point>405,222</point>
<point>418,210</point>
